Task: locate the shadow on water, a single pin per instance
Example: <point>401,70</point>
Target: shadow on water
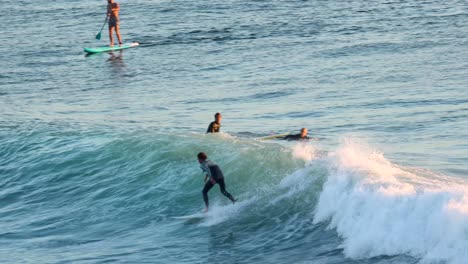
<point>117,64</point>
<point>116,60</point>
<point>112,53</point>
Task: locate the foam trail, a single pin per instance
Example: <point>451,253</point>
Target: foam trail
<point>380,209</point>
<point>219,214</point>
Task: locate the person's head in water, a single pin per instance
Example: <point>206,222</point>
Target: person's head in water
<point>303,132</point>
<point>202,157</point>
<point>218,118</point>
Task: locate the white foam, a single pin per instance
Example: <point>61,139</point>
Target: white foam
<point>221,213</point>
<point>223,135</point>
<point>294,183</point>
<point>305,151</point>
<point>381,209</point>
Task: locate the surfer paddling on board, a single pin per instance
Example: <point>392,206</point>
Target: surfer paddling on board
<point>113,9</point>
<point>214,175</point>
<point>301,136</point>
<point>215,125</point>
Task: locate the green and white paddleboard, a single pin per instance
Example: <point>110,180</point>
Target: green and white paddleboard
<point>107,48</point>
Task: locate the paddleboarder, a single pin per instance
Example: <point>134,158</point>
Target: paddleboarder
<point>113,9</point>
<point>213,176</point>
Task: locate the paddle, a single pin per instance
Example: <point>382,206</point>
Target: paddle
<point>98,36</point>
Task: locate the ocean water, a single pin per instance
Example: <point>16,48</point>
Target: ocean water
<point>98,153</point>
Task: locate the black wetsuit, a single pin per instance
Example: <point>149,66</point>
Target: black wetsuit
<point>215,176</point>
<point>296,137</point>
<point>213,127</point>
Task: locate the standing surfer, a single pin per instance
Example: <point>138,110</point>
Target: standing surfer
<point>113,9</point>
<point>214,175</point>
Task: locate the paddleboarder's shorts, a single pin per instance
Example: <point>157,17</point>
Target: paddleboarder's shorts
<point>113,22</point>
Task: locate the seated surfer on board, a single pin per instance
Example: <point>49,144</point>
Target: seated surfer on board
<point>213,176</point>
<point>215,125</point>
<point>301,136</point>
<point>113,9</point>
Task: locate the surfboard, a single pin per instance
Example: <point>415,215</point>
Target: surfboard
<point>274,136</point>
<point>107,48</point>
<point>192,216</point>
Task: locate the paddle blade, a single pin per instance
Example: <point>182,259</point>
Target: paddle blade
<point>98,36</point>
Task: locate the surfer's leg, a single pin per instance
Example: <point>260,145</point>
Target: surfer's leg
<point>110,36</point>
<point>222,187</point>
<point>208,186</point>
<point>113,23</point>
<point>117,32</point>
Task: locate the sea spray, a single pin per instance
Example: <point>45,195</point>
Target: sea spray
<point>374,211</point>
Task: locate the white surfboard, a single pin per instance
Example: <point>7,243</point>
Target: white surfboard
<point>277,136</point>
<point>192,216</point>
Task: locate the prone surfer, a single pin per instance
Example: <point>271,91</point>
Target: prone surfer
<point>215,125</point>
<point>113,9</point>
<point>213,176</point>
<point>301,136</point>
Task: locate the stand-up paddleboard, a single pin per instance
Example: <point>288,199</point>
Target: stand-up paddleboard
<point>114,48</point>
<point>274,136</point>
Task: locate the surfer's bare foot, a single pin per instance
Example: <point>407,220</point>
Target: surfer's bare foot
<point>205,210</point>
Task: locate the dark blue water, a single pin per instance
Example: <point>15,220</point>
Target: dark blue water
<point>98,153</point>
